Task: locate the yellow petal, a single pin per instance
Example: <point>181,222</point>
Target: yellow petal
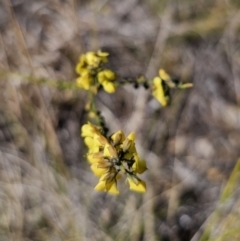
<point>79,68</point>
<point>101,77</point>
<point>109,151</point>
<point>93,149</point>
<point>85,80</point>
<point>131,136</point>
<point>113,189</point>
<point>92,59</point>
<point>94,157</point>
<point>89,141</point>
<point>106,78</point>
<point>110,75</point>
<point>102,54</point>
<point>96,170</point>
<point>109,87</point>
<point>139,165</point>
<point>164,75</point>
<point>126,145</point>
<point>100,140</point>
<point>118,137</point>
<point>158,91</point>
<point>100,186</point>
<point>81,65</point>
<point>139,187</point>
<point>89,130</point>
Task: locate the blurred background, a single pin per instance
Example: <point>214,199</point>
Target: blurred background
<point>191,147</point>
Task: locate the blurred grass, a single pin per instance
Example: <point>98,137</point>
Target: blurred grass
<point>224,222</point>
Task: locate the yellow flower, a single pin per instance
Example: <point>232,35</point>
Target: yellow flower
<point>92,59</point>
<point>164,75</point>
<point>112,156</point>
<point>98,171</point>
<point>100,140</point>
<point>89,130</point>
<point>81,65</point>
<point>85,80</point>
<point>112,189</point>
<point>159,92</point>
<point>109,151</point>
<point>139,165</point>
<point>88,68</point>
<point>94,157</point>
<point>128,144</point>
<point>103,56</point>
<point>95,59</point>
<point>118,137</point>
<point>136,185</point>
<point>106,79</point>
<point>131,136</point>
<point>107,183</point>
<point>89,142</point>
<point>93,138</point>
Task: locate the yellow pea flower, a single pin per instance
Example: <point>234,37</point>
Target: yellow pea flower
<point>85,80</point>
<point>109,87</point>
<point>89,130</point>
<point>110,157</point>
<point>81,65</point>
<point>106,79</point>
<point>95,59</point>
<point>158,91</point>
<point>92,59</point>
<point>95,143</point>
<point>118,137</point>
<point>92,137</point>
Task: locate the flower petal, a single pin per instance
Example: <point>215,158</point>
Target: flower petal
<point>158,91</point>
<point>118,137</point>
<point>139,187</point>
<point>109,87</point>
<point>164,75</point>
<point>113,189</point>
<point>100,186</point>
<point>139,165</point>
<point>96,170</point>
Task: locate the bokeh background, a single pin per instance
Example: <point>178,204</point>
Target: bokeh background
<point>191,147</point>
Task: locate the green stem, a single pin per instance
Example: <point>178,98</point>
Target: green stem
<point>60,84</point>
<point>97,115</point>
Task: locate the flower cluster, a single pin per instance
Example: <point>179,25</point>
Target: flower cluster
<point>92,75</point>
<point>112,157</point>
<point>161,86</point>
